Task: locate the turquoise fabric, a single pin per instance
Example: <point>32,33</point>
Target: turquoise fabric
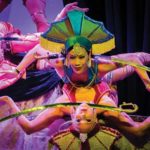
<point>74,17</point>
<point>84,42</point>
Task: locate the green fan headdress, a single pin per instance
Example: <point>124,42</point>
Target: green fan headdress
<point>77,28</point>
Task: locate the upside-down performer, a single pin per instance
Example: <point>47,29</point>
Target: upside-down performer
<point>81,76</point>
<point>85,132</point>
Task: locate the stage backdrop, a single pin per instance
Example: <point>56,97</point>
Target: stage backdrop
<point>17,14</point>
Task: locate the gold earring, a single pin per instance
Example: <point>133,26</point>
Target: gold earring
<point>66,62</point>
<point>89,62</point>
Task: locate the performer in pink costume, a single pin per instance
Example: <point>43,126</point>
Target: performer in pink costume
<point>17,42</point>
<point>110,77</point>
<point>13,41</point>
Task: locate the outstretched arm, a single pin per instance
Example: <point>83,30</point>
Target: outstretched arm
<point>32,55</point>
<point>137,133</point>
<point>40,122</point>
<point>106,65</point>
<point>29,58</point>
<point>118,74</point>
<point>140,58</point>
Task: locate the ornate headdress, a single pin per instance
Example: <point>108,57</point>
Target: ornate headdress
<point>78,29</point>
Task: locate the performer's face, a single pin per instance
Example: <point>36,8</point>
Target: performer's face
<point>77,60</point>
<point>84,118</point>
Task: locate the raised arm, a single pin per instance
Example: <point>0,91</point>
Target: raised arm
<point>30,57</point>
<point>38,51</point>
<point>40,122</point>
<point>105,64</point>
<point>67,8</point>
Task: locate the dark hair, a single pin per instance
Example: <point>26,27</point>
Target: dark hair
<point>82,41</point>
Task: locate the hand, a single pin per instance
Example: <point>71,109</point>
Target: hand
<point>15,72</point>
<point>7,100</point>
<point>69,7</point>
<point>10,102</point>
<point>146,83</point>
<point>147,86</point>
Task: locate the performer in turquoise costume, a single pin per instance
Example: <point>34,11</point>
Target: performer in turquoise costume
<point>78,48</point>
<point>13,47</point>
<point>29,90</point>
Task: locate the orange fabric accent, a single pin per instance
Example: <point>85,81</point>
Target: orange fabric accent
<point>100,89</point>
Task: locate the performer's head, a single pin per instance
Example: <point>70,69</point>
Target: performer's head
<point>78,53</point>
<point>78,30</point>
<point>84,118</point>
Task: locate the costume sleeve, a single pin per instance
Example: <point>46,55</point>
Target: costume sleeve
<point>123,144</point>
<point>25,43</point>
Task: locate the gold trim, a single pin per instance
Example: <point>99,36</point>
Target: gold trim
<point>104,47</point>
<point>51,46</point>
<point>96,48</point>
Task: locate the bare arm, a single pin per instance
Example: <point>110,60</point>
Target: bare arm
<point>40,122</point>
<point>104,64</point>
<point>140,58</point>
<point>25,42</point>
<point>67,8</point>
<point>29,58</point>
<point>134,131</point>
<point>118,74</point>
<point>38,51</point>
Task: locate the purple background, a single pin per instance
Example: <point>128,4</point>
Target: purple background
<point>17,14</point>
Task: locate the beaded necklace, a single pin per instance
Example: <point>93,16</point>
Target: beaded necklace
<point>78,86</point>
